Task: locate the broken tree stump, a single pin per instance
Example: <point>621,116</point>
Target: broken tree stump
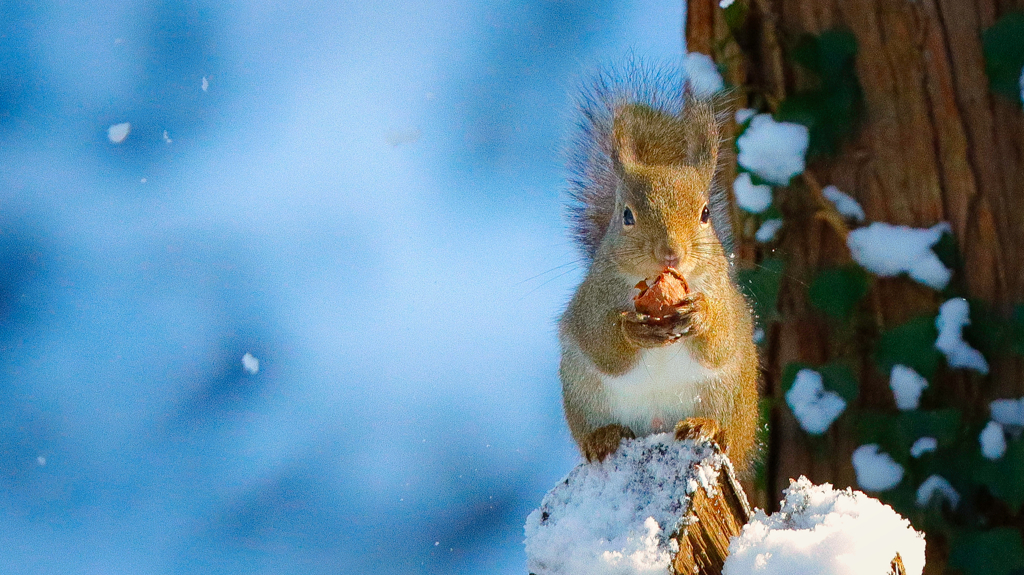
<point>656,503</point>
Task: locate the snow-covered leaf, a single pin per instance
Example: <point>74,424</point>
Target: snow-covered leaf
<point>911,344</point>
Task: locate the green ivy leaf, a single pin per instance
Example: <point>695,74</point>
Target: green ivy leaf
<point>840,379</point>
<point>832,110</point>
<point>897,433</point>
<point>736,16</point>
<point>942,424</point>
<point>836,291</point>
<point>993,552</point>
<point>1004,477</point>
<point>987,332</point>
<point>1017,330</point>
<point>1003,45</point>
<point>827,55</point>
<point>879,427</point>
<point>911,344</point>
<point>761,285</point>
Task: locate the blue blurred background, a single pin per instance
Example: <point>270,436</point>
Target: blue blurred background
<point>367,198</point>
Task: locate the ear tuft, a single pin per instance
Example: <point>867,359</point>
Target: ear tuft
<point>646,136</point>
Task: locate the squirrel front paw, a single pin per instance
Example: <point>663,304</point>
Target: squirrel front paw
<point>603,441</point>
<point>700,429</point>
<point>646,331</point>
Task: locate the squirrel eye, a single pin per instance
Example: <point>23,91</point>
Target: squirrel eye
<point>705,215</point>
<point>627,217</point>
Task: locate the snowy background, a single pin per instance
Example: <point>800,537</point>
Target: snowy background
<point>367,198</point>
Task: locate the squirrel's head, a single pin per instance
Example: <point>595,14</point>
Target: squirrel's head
<point>665,166</point>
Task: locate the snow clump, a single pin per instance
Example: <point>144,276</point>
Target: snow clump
<point>749,197</point>
<point>876,471</point>
<point>937,483</point>
<point>814,407</point>
<point>823,531</point>
<point>887,250</point>
<point>907,386</point>
<point>992,440</point>
<point>744,114</point>
<point>773,150</point>
<point>1008,411</point>
<point>702,74</point>
<point>845,204</point>
<point>617,517</point>
<point>766,232</point>
<point>118,132</point>
<point>953,316</point>
<point>250,363</point>
<point>923,445</point>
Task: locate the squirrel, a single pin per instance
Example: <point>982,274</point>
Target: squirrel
<point>642,182</point>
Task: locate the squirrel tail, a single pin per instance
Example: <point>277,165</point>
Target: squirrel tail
<point>591,163</point>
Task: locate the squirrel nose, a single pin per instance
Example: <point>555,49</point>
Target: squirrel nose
<point>667,255</point>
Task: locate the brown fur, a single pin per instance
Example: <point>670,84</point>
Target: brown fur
<point>664,164</point>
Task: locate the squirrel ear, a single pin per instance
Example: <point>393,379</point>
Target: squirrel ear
<point>702,138</point>
<point>643,135</point>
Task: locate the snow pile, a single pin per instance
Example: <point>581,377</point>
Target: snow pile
<point>888,250</point>
<point>702,74</point>
<point>767,231</point>
<point>1008,411</point>
<point>250,363</point>
<point>754,199</point>
<point>907,386</point>
<point>937,484</point>
<point>814,407</point>
<point>953,316</point>
<point>876,471</point>
<point>118,132</point>
<point>617,517</point>
<point>773,150</point>
<point>993,441</point>
<point>845,205</point>
<point>923,445</point>
<point>823,531</point>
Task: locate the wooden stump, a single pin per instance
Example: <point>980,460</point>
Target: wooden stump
<point>710,522</point>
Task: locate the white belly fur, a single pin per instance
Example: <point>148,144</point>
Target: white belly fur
<point>662,388</point>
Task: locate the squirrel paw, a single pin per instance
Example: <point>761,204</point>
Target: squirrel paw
<point>646,331</point>
<point>603,441</point>
<point>700,429</point>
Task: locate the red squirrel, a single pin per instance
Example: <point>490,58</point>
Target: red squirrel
<point>642,186</point>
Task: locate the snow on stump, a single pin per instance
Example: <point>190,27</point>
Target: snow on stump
<point>825,531</point>
<point>657,505</point>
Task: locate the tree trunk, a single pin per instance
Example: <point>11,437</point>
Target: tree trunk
<point>935,144</point>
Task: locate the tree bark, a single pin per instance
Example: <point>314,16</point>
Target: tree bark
<point>935,145</point>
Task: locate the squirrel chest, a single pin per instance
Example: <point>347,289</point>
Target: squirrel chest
<point>662,388</point>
